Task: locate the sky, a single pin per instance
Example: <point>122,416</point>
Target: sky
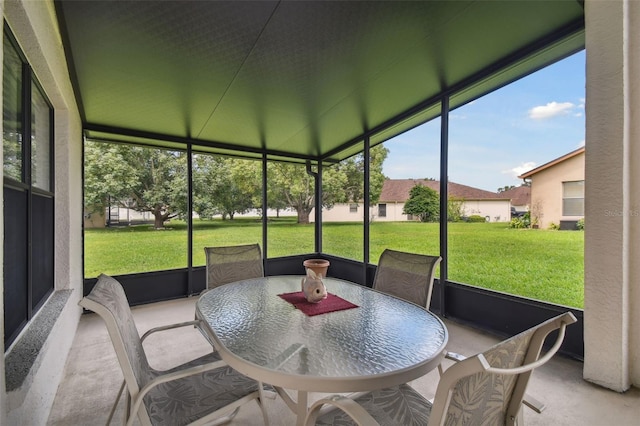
<point>494,139</point>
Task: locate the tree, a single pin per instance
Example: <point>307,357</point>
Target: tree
<point>155,180</point>
<point>292,183</point>
<point>107,175</point>
<point>161,184</point>
<point>353,168</point>
<point>209,172</point>
<point>225,185</point>
<point>145,179</point>
<point>505,188</point>
<point>423,202</point>
<point>455,209</point>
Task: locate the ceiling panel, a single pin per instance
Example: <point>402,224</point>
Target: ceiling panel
<point>305,78</point>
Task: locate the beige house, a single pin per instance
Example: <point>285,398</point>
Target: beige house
<point>395,192</point>
<point>557,191</point>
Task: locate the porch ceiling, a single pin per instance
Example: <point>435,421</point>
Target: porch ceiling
<point>300,79</point>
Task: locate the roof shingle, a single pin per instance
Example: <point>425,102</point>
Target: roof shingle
<point>397,190</point>
<point>520,195</point>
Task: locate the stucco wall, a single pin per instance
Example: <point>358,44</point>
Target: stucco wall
<point>393,213</point>
<point>340,213</point>
<point>546,190</point>
<point>612,273</point>
<point>495,210</point>
<point>34,25</point>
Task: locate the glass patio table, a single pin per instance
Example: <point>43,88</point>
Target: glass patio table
<point>384,341</point>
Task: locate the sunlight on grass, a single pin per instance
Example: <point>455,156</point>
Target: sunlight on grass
<point>538,264</point>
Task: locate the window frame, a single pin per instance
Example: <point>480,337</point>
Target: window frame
<point>566,198</point>
<point>382,210</point>
<point>37,214</point>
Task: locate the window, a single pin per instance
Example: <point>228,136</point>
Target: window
<point>382,210</point>
<point>573,198</point>
<point>27,143</point>
<point>353,208</point>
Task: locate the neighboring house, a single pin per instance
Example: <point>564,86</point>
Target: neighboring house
<point>520,198</point>
<point>395,192</point>
<point>557,191</point>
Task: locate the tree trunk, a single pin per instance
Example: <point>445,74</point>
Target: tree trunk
<point>303,216</point>
<point>158,222</point>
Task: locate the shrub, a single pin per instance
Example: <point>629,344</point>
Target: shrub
<point>580,224</point>
<point>516,223</point>
<point>554,226</point>
<point>521,222</point>
<point>476,218</point>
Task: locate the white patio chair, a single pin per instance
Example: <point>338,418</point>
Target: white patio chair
<point>485,389</point>
<point>196,392</point>
<point>406,275</point>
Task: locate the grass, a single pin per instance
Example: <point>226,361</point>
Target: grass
<point>539,264</point>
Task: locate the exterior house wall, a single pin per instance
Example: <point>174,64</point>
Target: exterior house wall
<point>35,27</point>
<point>493,210</point>
<point>340,212</point>
<point>546,190</point>
<point>393,212</point>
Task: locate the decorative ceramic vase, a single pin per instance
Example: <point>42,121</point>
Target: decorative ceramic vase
<point>319,266</point>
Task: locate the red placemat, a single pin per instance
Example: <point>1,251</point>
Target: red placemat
<point>331,304</point>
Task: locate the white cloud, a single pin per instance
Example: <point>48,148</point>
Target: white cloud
<point>549,110</point>
<point>522,168</point>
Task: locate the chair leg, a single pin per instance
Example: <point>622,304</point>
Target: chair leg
<point>226,419</point>
<point>115,404</point>
<point>262,394</point>
<point>520,418</point>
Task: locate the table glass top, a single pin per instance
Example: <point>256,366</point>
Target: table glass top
<point>383,335</point>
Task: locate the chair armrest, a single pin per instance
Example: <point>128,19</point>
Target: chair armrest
<point>455,356</point>
<point>169,327</point>
<point>163,378</point>
<point>348,405</point>
<point>531,402</point>
<point>452,356</point>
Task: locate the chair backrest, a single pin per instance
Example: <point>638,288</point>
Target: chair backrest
<point>108,300</point>
<point>406,275</point>
<point>233,263</point>
<point>488,389</point>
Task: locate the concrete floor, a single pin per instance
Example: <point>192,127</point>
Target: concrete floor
<point>92,376</point>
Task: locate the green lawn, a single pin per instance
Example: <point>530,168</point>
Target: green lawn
<point>540,264</point>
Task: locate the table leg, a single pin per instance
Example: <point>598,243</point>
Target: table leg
<point>302,408</point>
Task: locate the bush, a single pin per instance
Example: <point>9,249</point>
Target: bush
<point>580,224</point>
<point>554,226</point>
<point>476,219</point>
<point>521,222</point>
